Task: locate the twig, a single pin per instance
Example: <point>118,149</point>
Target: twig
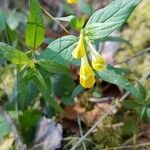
<point>77,138</point>
<point>59,14</point>
<point>136,55</point>
<point>101,100</point>
<point>18,141</point>
<point>106,114</point>
<point>94,126</point>
<point>129,146</point>
<point>53,18</point>
<point>80,130</point>
<point>138,136</point>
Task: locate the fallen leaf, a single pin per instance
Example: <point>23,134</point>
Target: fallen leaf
<point>48,135</point>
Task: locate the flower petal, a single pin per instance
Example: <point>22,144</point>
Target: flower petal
<point>87,78</point>
<point>71,1</point>
<point>98,62</point>
<point>79,51</point>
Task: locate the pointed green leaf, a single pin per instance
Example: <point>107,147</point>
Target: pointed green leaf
<point>132,104</point>
<point>112,77</point>
<point>35,27</point>
<point>5,48</point>
<point>40,79</point>
<point>53,67</point>
<point>47,94</point>
<point>116,39</point>
<point>117,11</point>
<point>62,85</point>
<point>67,18</point>
<point>2,20</point>
<point>60,50</point>
<point>142,90</point>
<point>15,56</point>
<point>104,21</point>
<point>75,22</point>
<point>100,30</point>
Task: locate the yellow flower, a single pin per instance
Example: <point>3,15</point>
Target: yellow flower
<point>87,78</point>
<point>98,62</point>
<point>72,1</point>
<point>79,51</point>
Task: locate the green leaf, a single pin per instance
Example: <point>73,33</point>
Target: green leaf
<point>66,19</point>
<point>142,112</point>
<point>100,30</point>
<point>53,67</point>
<point>132,104</point>
<point>60,50</point>
<point>35,27</point>
<point>28,122</point>
<point>148,113</point>
<point>27,75</point>
<point>69,99</point>
<point>5,48</point>
<point>47,94</point>
<point>19,58</point>
<point>112,77</point>
<point>78,90</point>
<point>15,56</point>
<point>142,91</point>
<point>106,20</point>
<point>66,100</point>
<point>116,39</point>
<point>73,20</point>
<point>62,85</point>
<point>118,70</point>
<point>69,19</point>
<point>117,11</point>
<point>12,40</point>
<point>41,80</point>
<point>2,20</point>
<point>27,92</point>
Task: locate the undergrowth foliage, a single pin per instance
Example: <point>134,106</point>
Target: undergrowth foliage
<point>41,70</point>
<point>48,72</point>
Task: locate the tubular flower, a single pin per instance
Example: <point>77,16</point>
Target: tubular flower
<point>79,51</point>
<point>98,62</point>
<point>87,78</point>
<point>71,1</point>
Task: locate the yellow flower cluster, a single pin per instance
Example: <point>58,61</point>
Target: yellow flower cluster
<point>71,1</point>
<point>87,77</point>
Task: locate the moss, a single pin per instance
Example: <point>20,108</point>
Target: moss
<point>107,136</point>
